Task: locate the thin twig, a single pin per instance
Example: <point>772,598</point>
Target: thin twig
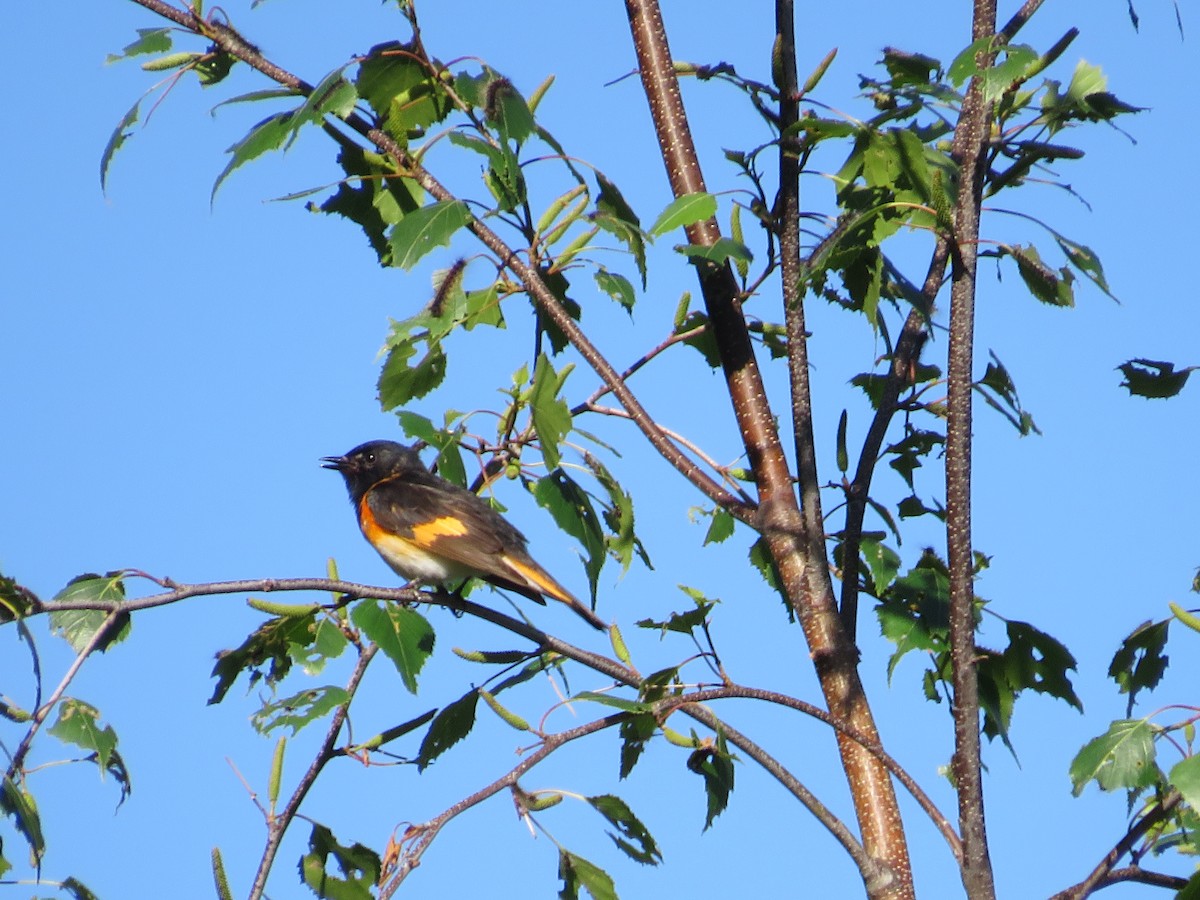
<point>277,825</point>
<point>1102,875</point>
<point>43,711</point>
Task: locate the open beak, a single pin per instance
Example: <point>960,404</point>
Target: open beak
<point>333,462</point>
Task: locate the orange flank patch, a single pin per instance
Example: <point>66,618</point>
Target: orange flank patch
<point>443,526</point>
<point>539,580</point>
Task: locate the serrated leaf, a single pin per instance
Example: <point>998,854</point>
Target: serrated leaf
<point>404,635</point>
<point>1153,379</point>
<point>150,40</point>
<point>78,723</point>
<point>685,622</point>
<point>715,766</point>
<point>117,140</point>
<point>1120,759</point>
<point>273,644</point>
<point>298,710</point>
<point>453,723</point>
<point>401,380</point>
<point>683,211</point>
<point>718,252</point>
<point>269,134</point>
<point>19,805</point>
<point>576,872</point>
<point>400,89</point>
<point>550,414</point>
<point>883,563</point>
<point>1185,778</point>
<point>78,627</point>
<point>358,867</point>
<point>1139,663</point>
<point>721,528</point>
<point>635,732</point>
<point>422,230</point>
<point>616,286</point>
<point>630,830</point>
<point>617,217</point>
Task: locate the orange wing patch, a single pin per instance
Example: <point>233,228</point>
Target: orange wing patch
<point>443,526</point>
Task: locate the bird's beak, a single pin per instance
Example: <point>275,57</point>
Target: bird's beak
<point>333,462</point>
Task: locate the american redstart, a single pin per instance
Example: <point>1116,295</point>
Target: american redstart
<point>435,532</point>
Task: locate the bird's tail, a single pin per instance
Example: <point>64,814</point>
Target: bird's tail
<point>540,581</point>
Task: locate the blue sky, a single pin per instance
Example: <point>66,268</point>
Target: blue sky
<point>172,373</point>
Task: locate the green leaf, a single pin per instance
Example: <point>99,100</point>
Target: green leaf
<point>117,140</point>
<point>508,111</point>
<point>358,867</point>
<point>421,231</point>
<point>77,890</point>
<point>683,211</point>
<point>1185,778</point>
<point>400,90</point>
<point>550,413</point>
<point>684,622</point>
<point>329,642</point>
<point>576,872</point>
<point>715,765</point>
<point>1043,282</point>
<point>573,512</point>
<point>401,381</point>
<point>1121,758</point>
<point>451,725</point>
<point>404,635</point>
<point>1140,662</point>
<point>633,838</point>
<point>269,134</point>
<point>882,564</point>
<point>19,805</point>
<point>718,252</point>
<point>78,627</point>
<point>150,40</point>
<point>616,286</point>
<point>617,217</point>
<point>298,710</point>
<point>274,642</point>
<point>635,733</point>
<point>760,558</point>
<point>1153,379</point>
<point>79,724</point>
<point>721,527</point>
<point>999,392</point>
<point>622,540</point>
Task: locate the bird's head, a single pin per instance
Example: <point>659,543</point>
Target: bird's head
<point>369,463</point>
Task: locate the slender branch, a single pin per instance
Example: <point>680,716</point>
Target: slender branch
<point>277,825</point>
<point>874,874</point>
<point>970,141</point>
<point>923,800</point>
<point>830,642</point>
<point>1104,874</point>
<point>426,832</point>
<point>1020,17</point>
<point>43,711</point>
<point>904,356</point>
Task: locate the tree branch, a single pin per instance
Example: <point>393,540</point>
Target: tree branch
<point>970,141</point>
<point>1104,874</point>
<point>43,711</point>
<point>424,834</point>
<point>277,825</point>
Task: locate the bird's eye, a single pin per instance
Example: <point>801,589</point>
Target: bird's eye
<point>370,457</point>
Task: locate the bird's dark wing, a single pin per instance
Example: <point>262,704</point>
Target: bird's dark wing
<point>458,526</point>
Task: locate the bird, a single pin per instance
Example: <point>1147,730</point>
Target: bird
<point>433,532</point>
